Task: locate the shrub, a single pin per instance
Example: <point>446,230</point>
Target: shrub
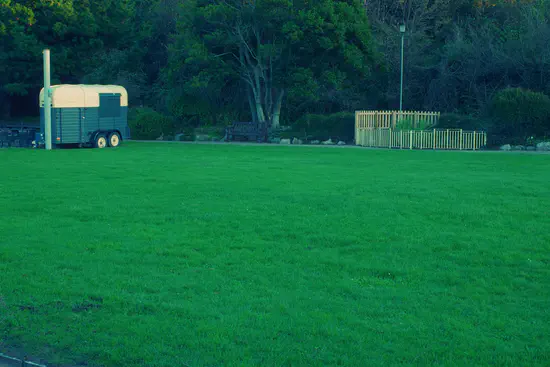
<point>147,124</point>
<point>518,116</point>
<point>465,122</point>
<point>410,123</point>
<point>338,126</point>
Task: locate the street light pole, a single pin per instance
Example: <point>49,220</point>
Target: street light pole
<point>403,29</point>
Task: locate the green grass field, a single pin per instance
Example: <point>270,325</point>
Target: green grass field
<point>209,255</point>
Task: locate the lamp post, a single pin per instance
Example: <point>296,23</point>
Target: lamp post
<point>402,29</point>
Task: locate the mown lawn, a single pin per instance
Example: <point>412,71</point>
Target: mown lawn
<point>197,255</point>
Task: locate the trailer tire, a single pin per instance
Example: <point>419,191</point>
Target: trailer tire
<point>114,140</point>
<point>100,141</point>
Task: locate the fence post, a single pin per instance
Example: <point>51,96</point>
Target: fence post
<point>356,127</point>
<point>421,139</point>
<point>394,119</point>
<point>389,144</point>
<point>434,138</point>
<point>474,140</point>
<point>460,147</point>
<point>410,139</point>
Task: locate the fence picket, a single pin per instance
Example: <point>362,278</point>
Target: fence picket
<point>418,139</point>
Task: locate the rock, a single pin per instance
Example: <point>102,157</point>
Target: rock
<point>202,137</point>
<point>328,142</point>
<point>297,141</point>
<point>530,149</point>
<point>315,142</point>
<point>285,141</point>
<point>341,142</point>
<point>518,147</point>
<point>506,147</point>
<point>275,140</point>
<point>543,147</point>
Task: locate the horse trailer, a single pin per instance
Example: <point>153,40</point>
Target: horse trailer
<point>87,115</point>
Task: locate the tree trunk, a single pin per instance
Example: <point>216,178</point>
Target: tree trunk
<point>260,111</point>
<point>257,90</point>
<point>275,122</point>
<point>253,111</point>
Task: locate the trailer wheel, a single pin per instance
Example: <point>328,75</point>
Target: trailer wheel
<point>100,141</point>
<point>114,140</point>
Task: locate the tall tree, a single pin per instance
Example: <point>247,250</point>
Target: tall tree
<point>506,46</point>
<point>428,23</point>
<point>276,47</point>
<point>77,33</point>
<point>19,52</point>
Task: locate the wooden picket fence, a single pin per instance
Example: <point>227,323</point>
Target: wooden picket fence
<point>421,139</point>
<point>391,119</point>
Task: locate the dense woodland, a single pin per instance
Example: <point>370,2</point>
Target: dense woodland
<point>209,62</point>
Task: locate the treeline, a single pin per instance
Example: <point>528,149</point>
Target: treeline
<point>209,62</point>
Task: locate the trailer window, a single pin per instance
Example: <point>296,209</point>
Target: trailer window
<point>109,105</point>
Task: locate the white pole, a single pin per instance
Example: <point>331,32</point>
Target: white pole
<point>47,102</point>
<point>403,29</point>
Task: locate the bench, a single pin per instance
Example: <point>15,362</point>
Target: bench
<point>5,138</point>
<point>16,138</point>
<point>250,130</point>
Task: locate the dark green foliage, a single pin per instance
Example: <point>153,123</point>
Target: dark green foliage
<point>411,123</point>
<point>207,63</point>
<point>148,124</point>
<point>338,126</point>
<point>465,122</point>
<point>519,116</point>
<point>103,41</point>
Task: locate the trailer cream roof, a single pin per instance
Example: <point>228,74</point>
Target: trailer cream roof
<point>79,96</point>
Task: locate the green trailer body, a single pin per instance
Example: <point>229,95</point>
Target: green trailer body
<point>88,115</point>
